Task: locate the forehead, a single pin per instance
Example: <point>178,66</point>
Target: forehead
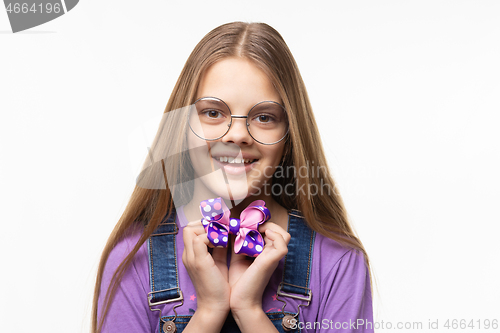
<point>237,81</point>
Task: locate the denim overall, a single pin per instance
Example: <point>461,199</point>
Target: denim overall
<point>164,281</point>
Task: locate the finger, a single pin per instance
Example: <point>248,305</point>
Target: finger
<point>189,232</point>
<point>276,228</point>
<point>200,243</point>
<point>270,225</point>
<point>200,231</point>
<point>276,241</point>
<point>267,241</point>
<point>197,228</point>
<point>187,236</point>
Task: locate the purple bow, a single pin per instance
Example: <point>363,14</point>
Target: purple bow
<point>218,225</point>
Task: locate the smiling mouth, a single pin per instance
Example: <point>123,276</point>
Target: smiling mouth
<point>234,161</point>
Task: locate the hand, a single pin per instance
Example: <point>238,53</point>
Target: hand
<point>208,273</point>
<point>248,279</point>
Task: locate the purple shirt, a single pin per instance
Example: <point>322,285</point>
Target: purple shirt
<point>340,284</point>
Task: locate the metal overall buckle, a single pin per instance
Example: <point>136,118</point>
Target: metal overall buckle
<point>169,325</point>
<point>289,322</point>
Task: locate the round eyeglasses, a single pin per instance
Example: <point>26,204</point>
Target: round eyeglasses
<point>210,119</point>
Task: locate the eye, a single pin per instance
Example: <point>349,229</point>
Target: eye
<point>264,118</point>
<point>212,113</point>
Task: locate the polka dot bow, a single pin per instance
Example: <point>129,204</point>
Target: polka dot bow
<point>218,224</point>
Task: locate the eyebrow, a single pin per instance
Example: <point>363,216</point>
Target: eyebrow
<point>226,104</point>
<point>212,101</point>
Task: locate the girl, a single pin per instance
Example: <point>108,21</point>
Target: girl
<point>238,136</point>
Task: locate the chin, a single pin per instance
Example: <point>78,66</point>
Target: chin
<point>216,187</point>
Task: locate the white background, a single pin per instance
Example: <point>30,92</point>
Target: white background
<point>405,93</point>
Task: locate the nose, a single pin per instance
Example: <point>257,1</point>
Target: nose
<point>238,132</point>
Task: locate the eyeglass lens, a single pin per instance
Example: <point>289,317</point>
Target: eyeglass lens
<point>210,119</point>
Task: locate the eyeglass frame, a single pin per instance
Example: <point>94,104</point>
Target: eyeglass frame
<point>239,117</point>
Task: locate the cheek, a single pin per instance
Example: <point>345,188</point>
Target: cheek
<point>198,152</point>
<point>191,141</point>
<point>273,157</point>
<point>275,154</point>
<point>192,152</point>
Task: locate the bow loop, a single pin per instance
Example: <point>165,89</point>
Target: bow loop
<point>215,220</point>
<point>214,210</point>
<point>218,225</point>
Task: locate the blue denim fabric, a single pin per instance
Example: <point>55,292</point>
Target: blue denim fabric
<point>298,261</point>
<point>163,278</point>
<point>296,274</point>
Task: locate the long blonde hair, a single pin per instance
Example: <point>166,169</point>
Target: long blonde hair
<point>264,46</point>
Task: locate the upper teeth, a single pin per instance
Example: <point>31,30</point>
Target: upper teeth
<point>233,159</point>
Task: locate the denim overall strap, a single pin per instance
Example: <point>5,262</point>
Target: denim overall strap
<point>296,271</point>
<point>163,276</point>
<point>298,261</point>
